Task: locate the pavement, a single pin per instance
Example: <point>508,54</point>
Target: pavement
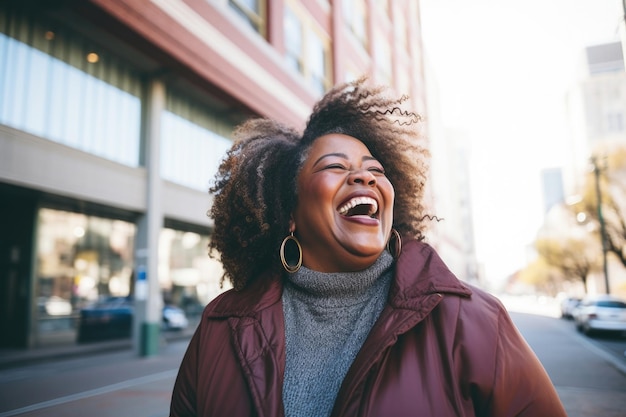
<point>99,380</point>
<point>10,358</point>
<point>590,381</point>
<point>79,380</point>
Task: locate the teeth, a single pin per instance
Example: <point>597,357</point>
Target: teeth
<point>357,201</point>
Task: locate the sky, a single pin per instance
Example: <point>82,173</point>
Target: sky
<point>503,68</point>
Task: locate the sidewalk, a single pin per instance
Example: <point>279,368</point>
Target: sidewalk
<point>10,358</point>
<point>98,384</point>
<point>118,383</point>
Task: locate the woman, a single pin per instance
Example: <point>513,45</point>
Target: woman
<point>339,308</point>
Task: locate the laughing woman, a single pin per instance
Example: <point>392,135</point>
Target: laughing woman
<point>339,307</point>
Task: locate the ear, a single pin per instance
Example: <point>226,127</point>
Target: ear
<point>292,224</point>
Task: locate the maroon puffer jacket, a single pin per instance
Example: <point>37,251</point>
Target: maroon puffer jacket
<point>438,349</point>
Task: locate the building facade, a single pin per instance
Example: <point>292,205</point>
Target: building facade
<point>596,111</point>
<point>596,116</point>
<point>114,115</point>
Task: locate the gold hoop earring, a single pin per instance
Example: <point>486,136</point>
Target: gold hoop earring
<point>398,244</point>
<point>283,259</point>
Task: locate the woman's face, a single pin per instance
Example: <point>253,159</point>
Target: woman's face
<point>344,212</point>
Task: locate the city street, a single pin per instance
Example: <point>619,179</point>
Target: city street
<point>589,374</point>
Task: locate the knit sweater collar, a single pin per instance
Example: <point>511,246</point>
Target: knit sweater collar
<point>418,271</point>
<point>328,286</point>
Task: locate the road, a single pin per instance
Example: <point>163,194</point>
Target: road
<point>589,375</point>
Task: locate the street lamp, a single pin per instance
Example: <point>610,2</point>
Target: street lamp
<point>596,171</point>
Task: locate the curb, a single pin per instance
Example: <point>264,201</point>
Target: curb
<point>19,358</point>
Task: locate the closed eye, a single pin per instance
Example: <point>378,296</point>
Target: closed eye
<point>377,169</point>
<point>335,166</point>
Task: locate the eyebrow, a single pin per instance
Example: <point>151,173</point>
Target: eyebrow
<point>344,156</point>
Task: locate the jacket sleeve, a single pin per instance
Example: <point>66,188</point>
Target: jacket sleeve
<point>183,403</point>
<point>522,387</point>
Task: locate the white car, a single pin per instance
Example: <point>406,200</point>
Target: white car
<point>568,305</point>
<point>601,313</point>
<point>174,318</point>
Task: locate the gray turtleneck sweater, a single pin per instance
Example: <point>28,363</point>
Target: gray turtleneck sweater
<point>327,318</point>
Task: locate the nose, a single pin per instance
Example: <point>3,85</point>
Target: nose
<point>362,176</point>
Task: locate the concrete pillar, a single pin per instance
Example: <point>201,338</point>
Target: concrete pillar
<point>148,297</point>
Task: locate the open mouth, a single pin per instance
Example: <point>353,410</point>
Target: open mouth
<point>360,206</point>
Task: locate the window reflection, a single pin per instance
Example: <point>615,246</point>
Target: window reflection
<point>53,86</point>
<point>252,11</point>
<point>85,260</point>
<point>293,39</point>
<point>354,12</point>
<point>190,154</point>
<point>382,53</point>
<point>305,49</point>
<point>316,62</point>
<point>188,276</point>
<point>80,259</point>
<point>193,142</point>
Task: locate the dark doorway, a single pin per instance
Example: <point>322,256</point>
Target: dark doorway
<point>17,219</point>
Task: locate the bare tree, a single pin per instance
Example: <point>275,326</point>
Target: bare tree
<point>615,223</point>
<point>576,259</point>
<point>613,197</point>
<point>542,276</point>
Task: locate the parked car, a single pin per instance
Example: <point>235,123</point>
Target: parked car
<point>568,304</point>
<point>174,318</point>
<point>54,306</point>
<point>601,313</point>
<point>112,318</point>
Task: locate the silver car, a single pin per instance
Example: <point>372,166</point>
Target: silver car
<point>601,313</point>
<point>568,306</point>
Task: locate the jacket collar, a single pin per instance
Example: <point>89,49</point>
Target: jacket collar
<point>263,292</point>
<point>419,272</point>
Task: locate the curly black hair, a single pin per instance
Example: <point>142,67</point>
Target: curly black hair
<point>255,188</point>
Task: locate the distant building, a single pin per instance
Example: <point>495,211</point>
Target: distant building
<point>114,115</point>
<point>451,193</point>
<point>604,58</point>
<point>596,111</point>
<point>597,120</point>
<point>552,187</point>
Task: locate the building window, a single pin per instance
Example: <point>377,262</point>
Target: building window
<point>403,83</point>
<point>382,54</point>
<point>252,11</point>
<point>188,277</point>
<point>400,30</point>
<point>352,73</point>
<point>55,85</point>
<point>355,16</point>
<point>80,259</point>
<point>306,50</point>
<point>384,6</point>
<point>293,40</point>
<point>193,142</point>
<point>615,122</point>
<point>317,63</point>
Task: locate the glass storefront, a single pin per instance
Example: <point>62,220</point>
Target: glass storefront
<point>83,260</point>
<point>194,142</point>
<point>191,154</point>
<point>56,85</point>
<point>188,277</point>
<point>79,260</point>
<point>60,86</point>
